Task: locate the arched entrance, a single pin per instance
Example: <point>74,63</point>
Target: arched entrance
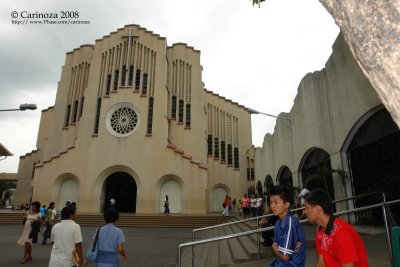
<point>174,191</point>
<point>122,187</point>
<point>69,190</point>
<point>316,171</point>
<point>268,183</point>
<point>218,196</point>
<point>374,163</point>
<point>285,178</point>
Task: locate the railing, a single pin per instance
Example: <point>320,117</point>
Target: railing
<point>265,216</point>
<point>215,239</point>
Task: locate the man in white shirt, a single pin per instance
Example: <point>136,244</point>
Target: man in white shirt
<point>67,237</point>
<point>259,207</point>
<point>112,203</point>
<point>253,205</point>
<point>303,192</point>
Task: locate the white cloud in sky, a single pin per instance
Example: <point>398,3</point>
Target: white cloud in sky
<point>253,56</point>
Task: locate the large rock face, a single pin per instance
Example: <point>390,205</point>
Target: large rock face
<point>372,30</point>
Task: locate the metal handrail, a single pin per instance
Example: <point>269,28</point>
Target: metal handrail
<point>250,232</point>
<point>257,218</point>
<point>267,215</point>
<point>358,196</point>
<point>226,224</point>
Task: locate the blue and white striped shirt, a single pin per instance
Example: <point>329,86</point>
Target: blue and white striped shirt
<point>287,233</point>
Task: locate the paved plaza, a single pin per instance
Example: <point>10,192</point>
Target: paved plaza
<point>155,247</point>
<point>145,246</point>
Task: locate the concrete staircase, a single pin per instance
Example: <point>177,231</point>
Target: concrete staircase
<point>234,251</point>
<point>226,252</point>
<point>130,220</point>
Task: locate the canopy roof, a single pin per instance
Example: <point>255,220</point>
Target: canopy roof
<point>4,151</point>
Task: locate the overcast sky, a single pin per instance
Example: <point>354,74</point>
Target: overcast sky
<point>253,56</point>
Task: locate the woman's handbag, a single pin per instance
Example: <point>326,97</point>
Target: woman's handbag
<point>35,228</point>
<point>91,253</point>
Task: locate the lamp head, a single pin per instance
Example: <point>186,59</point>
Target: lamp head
<point>25,106</point>
<point>252,111</point>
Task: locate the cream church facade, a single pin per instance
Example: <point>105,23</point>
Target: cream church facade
<point>132,121</point>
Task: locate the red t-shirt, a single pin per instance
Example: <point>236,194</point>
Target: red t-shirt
<point>245,202</point>
<point>339,244</point>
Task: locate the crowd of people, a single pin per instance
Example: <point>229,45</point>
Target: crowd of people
<point>248,207</point>
<point>337,243</point>
<point>66,237</point>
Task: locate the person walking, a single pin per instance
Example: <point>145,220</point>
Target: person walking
<point>111,242</point>
<point>67,204</point>
<point>337,242</point>
<point>259,205</point>
<point>233,206</point>
<point>302,193</point>
<point>112,203</point>
<point>225,205</point>
<point>67,238</point>
<point>43,211</point>
<point>166,206</point>
<point>230,206</point>
<point>268,236</point>
<point>49,221</point>
<point>245,205</point>
<point>32,221</point>
<point>253,205</point>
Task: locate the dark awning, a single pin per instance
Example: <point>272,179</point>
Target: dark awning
<point>4,151</point>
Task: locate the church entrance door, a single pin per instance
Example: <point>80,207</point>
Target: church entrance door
<point>121,187</point>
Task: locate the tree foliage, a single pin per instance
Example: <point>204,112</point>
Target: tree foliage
<point>257,2</point>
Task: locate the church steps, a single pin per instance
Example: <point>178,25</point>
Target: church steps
<point>238,251</point>
<point>225,252</point>
<point>249,242</point>
<point>231,251</point>
<point>130,220</point>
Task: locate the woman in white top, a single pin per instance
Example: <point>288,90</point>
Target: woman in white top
<point>259,207</point>
<point>33,217</point>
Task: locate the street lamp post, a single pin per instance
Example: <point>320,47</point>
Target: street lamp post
<point>253,111</point>
<point>22,107</point>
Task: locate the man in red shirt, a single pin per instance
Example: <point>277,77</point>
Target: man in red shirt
<point>337,243</point>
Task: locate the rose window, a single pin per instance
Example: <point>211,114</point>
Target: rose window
<point>122,120</point>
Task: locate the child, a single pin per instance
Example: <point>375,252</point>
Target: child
<point>43,211</point>
<point>289,240</point>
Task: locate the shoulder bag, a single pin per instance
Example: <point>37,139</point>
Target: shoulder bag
<point>91,253</point>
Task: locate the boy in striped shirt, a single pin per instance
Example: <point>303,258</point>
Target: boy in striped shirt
<point>289,239</point>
